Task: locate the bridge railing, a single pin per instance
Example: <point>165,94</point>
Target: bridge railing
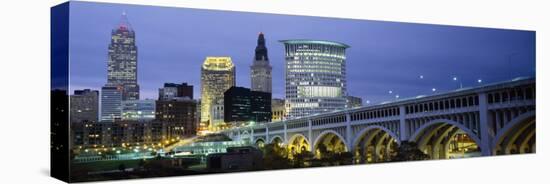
<point>520,89</point>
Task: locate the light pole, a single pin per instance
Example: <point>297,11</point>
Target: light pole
<point>456,79</point>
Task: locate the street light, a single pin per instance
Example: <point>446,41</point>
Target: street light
<point>479,81</point>
<point>433,89</point>
<point>456,79</point>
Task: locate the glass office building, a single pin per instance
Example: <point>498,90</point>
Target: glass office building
<point>315,77</point>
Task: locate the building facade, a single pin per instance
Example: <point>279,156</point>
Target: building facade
<point>138,110</point>
<point>111,102</point>
<point>217,114</point>
<point>241,105</point>
<point>315,77</point>
<point>122,63</point>
<point>354,101</point>
<point>217,75</point>
<point>84,105</point>
<point>278,111</point>
<point>171,91</point>
<point>260,70</point>
<point>179,115</point>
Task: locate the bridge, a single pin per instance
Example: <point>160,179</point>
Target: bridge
<point>492,119</point>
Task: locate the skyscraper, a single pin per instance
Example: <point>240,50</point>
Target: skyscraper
<point>122,60</point>
<point>315,76</point>
<point>260,71</point>
<point>217,75</point>
<point>84,106</point>
<point>111,102</point>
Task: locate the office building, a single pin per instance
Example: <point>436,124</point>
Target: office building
<point>138,110</point>
<point>171,91</point>
<point>241,105</point>
<point>111,103</point>
<point>354,102</point>
<point>315,76</point>
<point>84,105</point>
<point>122,60</point>
<point>217,75</point>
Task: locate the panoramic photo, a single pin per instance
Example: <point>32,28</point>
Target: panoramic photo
<point>159,91</point>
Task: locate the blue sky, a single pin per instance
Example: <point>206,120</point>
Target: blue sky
<point>173,43</point>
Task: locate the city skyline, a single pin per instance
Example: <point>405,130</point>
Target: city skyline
<point>432,54</point>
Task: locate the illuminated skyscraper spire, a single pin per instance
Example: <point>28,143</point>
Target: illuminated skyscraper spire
<point>260,71</point>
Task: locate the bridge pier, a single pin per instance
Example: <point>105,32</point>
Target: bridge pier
<point>403,126</point>
<point>484,119</point>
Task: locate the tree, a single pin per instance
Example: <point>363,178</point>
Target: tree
<point>343,158</point>
<point>409,151</point>
<point>275,157</point>
<point>301,158</point>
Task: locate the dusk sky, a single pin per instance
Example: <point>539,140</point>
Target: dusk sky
<point>173,43</point>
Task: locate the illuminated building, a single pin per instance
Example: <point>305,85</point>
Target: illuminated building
<point>278,111</point>
<point>138,110</point>
<point>260,71</point>
<point>217,75</point>
<point>354,101</point>
<point>241,105</point>
<point>122,60</point>
<point>84,105</point>
<point>111,102</point>
<point>315,76</point>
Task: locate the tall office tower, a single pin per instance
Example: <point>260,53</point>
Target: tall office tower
<point>315,76</point>
<point>217,75</point>
<point>84,106</point>
<point>111,102</point>
<point>138,110</point>
<point>122,63</point>
<point>260,71</point>
<point>171,91</point>
<point>241,105</point>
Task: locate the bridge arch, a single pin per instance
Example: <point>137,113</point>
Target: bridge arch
<point>329,141</point>
<point>437,137</point>
<point>374,144</point>
<point>276,139</point>
<point>517,136</point>
<point>297,144</point>
<point>259,142</point>
<point>246,136</point>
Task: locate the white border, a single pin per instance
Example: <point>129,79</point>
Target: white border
<point>24,97</point>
